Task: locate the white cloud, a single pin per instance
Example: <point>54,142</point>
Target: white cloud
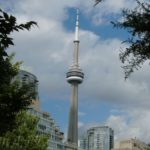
<point>80,124</point>
<point>57,10</point>
<point>134,123</point>
<point>81,114</point>
<point>107,10</point>
<point>47,50</point>
<point>129,124</point>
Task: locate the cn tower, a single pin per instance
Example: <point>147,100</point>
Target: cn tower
<point>74,78</point>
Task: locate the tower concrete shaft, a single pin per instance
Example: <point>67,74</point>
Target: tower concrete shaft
<point>73,115</point>
<point>74,77</point>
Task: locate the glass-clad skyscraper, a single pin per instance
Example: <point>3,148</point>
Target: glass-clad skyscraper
<point>98,138</point>
<point>26,77</point>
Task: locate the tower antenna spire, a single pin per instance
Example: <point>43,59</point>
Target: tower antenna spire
<point>77,26</point>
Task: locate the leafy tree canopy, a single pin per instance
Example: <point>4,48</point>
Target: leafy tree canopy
<point>8,24</point>
<point>137,23</point>
<point>97,1</point>
<point>13,97</point>
<point>24,137</point>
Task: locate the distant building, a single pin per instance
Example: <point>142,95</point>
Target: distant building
<point>98,138</point>
<point>47,126</point>
<point>131,144</point>
<point>27,77</point>
<point>83,142</point>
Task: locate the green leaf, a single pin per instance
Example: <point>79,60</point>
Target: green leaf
<point>6,15</point>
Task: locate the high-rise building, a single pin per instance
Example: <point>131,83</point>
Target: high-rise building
<point>98,138</point>
<point>74,77</point>
<point>27,77</point>
<point>46,124</point>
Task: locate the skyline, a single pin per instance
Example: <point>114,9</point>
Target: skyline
<point>123,105</point>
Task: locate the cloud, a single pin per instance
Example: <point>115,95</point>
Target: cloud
<point>47,51</point>
<point>80,124</point>
<point>106,11</point>
<point>130,123</point>
<point>57,10</point>
<point>81,114</point>
<point>134,123</point>
<point>50,57</point>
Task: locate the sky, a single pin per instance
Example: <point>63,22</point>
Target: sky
<point>105,97</point>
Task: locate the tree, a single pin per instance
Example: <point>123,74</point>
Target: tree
<point>148,146</point>
<point>137,23</point>
<point>24,137</point>
<point>17,128</point>
<point>8,24</point>
<point>97,1</point>
<point>13,97</point>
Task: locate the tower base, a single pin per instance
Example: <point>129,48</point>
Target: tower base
<point>70,146</point>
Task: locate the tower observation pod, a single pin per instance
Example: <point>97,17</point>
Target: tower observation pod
<point>74,77</point>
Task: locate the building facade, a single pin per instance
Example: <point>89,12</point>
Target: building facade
<point>131,144</point>
<point>47,126</point>
<point>26,77</point>
<point>98,138</point>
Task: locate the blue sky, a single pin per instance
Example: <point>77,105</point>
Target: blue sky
<point>86,24</point>
<point>105,98</point>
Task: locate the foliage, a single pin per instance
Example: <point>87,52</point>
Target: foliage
<point>97,1</point>
<point>24,137</point>
<point>13,97</point>
<point>8,24</point>
<point>17,128</point>
<point>137,22</point>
